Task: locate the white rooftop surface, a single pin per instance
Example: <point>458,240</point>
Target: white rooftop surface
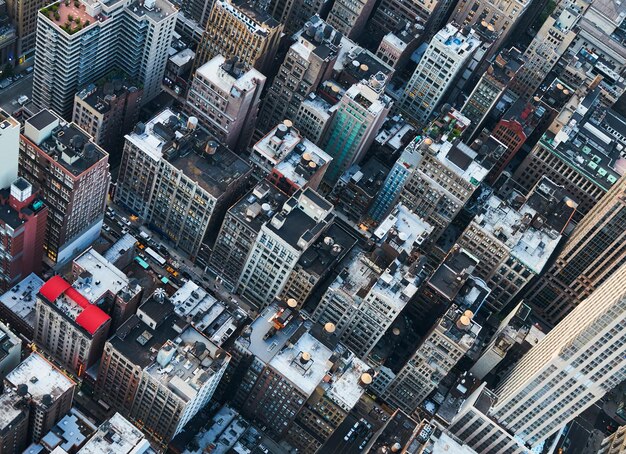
<point>309,376</point>
<point>265,349</point>
<point>407,225</point>
<point>318,105</point>
<point>230,436</point>
<point>346,390</point>
<point>392,137</point>
<point>452,38</point>
<point>67,432</point>
<point>41,378</point>
<point>213,72</point>
<point>183,57</point>
<point>116,436</point>
<point>447,445</point>
<point>106,277</point>
<point>398,287</point>
<point>273,148</point>
<point>220,422</point>
<point>149,142</point>
<point>360,273</point>
<point>376,106</point>
<point>287,166</point>
<point>533,247</point>
<point>8,412</point>
<point>474,170</point>
<point>394,41</point>
<point>22,298</point>
<point>194,301</point>
<point>125,243</point>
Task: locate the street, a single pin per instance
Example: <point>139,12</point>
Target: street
<point>8,96</point>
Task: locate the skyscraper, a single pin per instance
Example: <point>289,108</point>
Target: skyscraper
<point>72,174</point>
<point>570,369</point>
<point>225,97</point>
<point>360,114</point>
<point>309,62</point>
<point>349,17</point>
<point>74,53</point>
<point>238,29</point>
<point>594,251</point>
<point>448,52</point>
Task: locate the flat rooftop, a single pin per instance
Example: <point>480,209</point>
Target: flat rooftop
<point>193,302</point>
<point>404,228</point>
<point>123,244</point>
<point>116,435</point>
<point>11,408</point>
<point>346,389</point>
<point>461,159</point>
<point>99,277</point>
<point>300,164</point>
<point>258,206</point>
<point>73,304</point>
<point>271,330</point>
<point>227,74</point>
<point>256,20</point>
<point>22,298</point>
<point>327,250</point>
<point>304,375</point>
<point>451,275</point>
<point>41,377</point>
<point>99,97</point>
<point>68,434</point>
<point>275,145</point>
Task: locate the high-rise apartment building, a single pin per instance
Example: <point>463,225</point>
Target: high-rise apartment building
<point>238,29</point>
<point>225,98</point>
<point>242,223</point>
<point>581,359</point>
<point>314,117</point>
<point>181,376</point>
<point>18,305</point>
<point>448,52</point>
<point>368,295</point>
<point>501,16</point>
<point>514,241</point>
<point>10,146</point>
<point>392,14</point>
<point>14,424</point>
<point>280,243</point>
<point>106,112</point>
<point>590,256</point>
<point>359,116</point>
<point>554,37</point>
<point>74,53</point>
<point>69,327</point>
<point>72,175</point>
<point>349,17</point>
<point>309,62</point>
<point>455,333</point>
<point>48,393</point>
<point>490,87</point>
<point>446,175</point>
<point>178,180</point>
<point>23,217</point>
<point>583,156</point>
<point>295,13</point>
<point>397,46</point>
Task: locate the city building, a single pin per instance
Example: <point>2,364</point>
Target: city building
<point>108,111</point>
<point>442,182</point>
<point>10,350</point>
<point>397,46</point>
<point>359,116</point>
<point>290,161</point>
<point>106,286</point>
<point>317,263</point>
<point>583,156</point>
<point>490,87</point>
<point>154,355</point>
<point>502,17</point>
<point>23,14</point>
<point>178,180</point>
<point>242,223</point>
<point>48,391</point>
<point>308,63</point>
<point>294,14</point>
<point>572,367</point>
<point>8,38</point>
<point>350,17</point>
<point>178,70</point>
<point>514,240</point>
<point>549,44</point>
<point>68,326</point>
<point>280,243</point>
<point>72,175</point>
<point>614,443</point>
<point>74,53</point>
<point>357,189</point>
<point>246,32</point>
<point>367,296</point>
<point>9,142</point>
<point>17,305</point>
<point>455,333</point>
<point>23,220</point>
<point>69,435</point>
<point>589,257</point>
<point>393,14</point>
<point>445,57</point>
<point>225,97</point>
<point>117,435</point>
<point>314,117</point>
